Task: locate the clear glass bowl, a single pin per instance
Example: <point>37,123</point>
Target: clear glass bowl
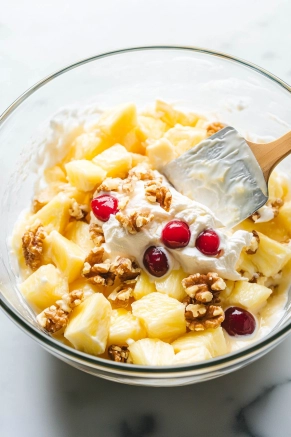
<point>245,96</point>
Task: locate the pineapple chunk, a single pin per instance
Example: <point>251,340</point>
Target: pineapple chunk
<point>143,286</point>
<point>117,122</point>
<point>55,214</point>
<point>134,141</point>
<point>173,116</point>
<point>65,254</point>
<point>194,355</point>
<point>151,352</point>
<point>212,339</point>
<point>116,160</point>
<point>278,185</point>
<point>44,287</point>
<point>184,138</point>
<point>84,175</point>
<point>251,296</point>
<point>137,158</point>
<point>277,228</point>
<point>124,326</point>
<point>285,217</point>
<point>88,145</point>
<point>271,256</point>
<point>88,326</point>
<point>85,286</point>
<point>160,153</point>
<point>78,233</point>
<point>162,315</point>
<point>172,285</point>
<point>151,128</point>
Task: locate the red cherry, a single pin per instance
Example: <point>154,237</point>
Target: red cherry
<point>176,234</point>
<point>155,261</point>
<point>238,321</point>
<point>208,242</point>
<point>103,206</point>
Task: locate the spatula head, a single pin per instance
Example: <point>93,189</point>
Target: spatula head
<point>222,173</point>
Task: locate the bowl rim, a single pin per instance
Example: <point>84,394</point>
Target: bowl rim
<point>58,348</point>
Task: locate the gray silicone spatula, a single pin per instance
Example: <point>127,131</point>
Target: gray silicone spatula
<point>227,173</point>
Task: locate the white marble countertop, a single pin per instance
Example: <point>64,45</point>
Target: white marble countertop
<point>39,395</point>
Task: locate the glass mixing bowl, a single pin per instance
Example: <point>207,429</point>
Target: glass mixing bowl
<point>245,96</point>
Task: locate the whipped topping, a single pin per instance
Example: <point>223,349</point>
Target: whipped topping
<point>266,214</point>
<point>197,216</point>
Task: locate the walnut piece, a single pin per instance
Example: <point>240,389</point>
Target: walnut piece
<point>142,173</point>
<point>96,270</point>
<point>125,269</point>
<point>201,305</point>
<point>96,234</point>
<point>121,294</point>
<point>155,192</point>
<point>32,245</point>
<point>117,353</point>
<point>109,184</point>
<point>78,211</point>
<point>134,221</point>
<point>56,317</point>
<point>254,245</point>
<point>200,317</point>
<point>214,127</point>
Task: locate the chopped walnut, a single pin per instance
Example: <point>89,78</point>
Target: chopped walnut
<point>32,245</point>
<point>154,192</point>
<point>96,270</point>
<point>200,317</point>
<point>109,184</point>
<point>125,269</point>
<point>201,305</point>
<point>134,221</point>
<point>78,211</point>
<point>142,173</point>
<point>96,234</point>
<point>117,353</point>
<point>122,203</point>
<point>254,245</point>
<point>56,317</point>
<point>121,294</point>
<point>213,128</point>
<point>201,287</point>
<point>127,185</point>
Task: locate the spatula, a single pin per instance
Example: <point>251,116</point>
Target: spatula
<point>227,173</point>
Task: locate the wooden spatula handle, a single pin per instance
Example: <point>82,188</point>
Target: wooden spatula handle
<point>270,154</point>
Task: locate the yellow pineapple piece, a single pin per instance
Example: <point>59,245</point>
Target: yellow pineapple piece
<point>285,217</point>
<point>271,256</point>
<point>78,233</point>
<point>173,116</point>
<point>172,285</point>
<point>194,355</point>
<point>44,287</point>
<point>84,175</point>
<point>88,326</point>
<point>151,352</point>
<point>116,161</point>
<point>279,185</point>
<point>212,339</point>
<point>86,287</point>
<point>117,122</point>
<point>89,144</point>
<point>124,326</point>
<point>55,214</point>
<point>143,286</point>
<point>162,315</point>
<point>133,141</point>
<point>184,138</point>
<point>65,254</point>
<point>224,294</point>
<point>151,127</point>
<point>277,228</point>
<point>137,158</point>
<point>160,153</point>
<point>251,296</point>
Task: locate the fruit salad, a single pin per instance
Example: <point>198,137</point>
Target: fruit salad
<point>116,263</point>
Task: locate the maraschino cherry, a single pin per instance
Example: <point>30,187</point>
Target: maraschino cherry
<point>103,206</point>
<point>238,321</point>
<point>176,234</point>
<point>156,261</point>
<point>208,242</point>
